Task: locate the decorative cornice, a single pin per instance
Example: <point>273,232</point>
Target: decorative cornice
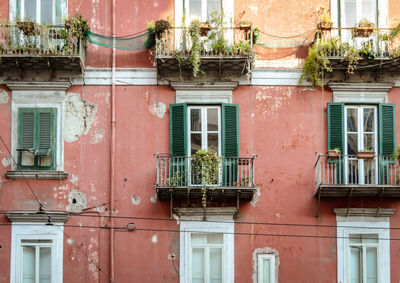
<point>230,86</point>
<point>51,86</point>
<point>37,216</point>
<point>36,175</point>
<point>369,212</point>
<point>208,213</point>
<point>361,87</point>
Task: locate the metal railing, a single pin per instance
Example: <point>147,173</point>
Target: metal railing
<point>378,44</point>
<point>178,172</point>
<point>177,39</point>
<point>350,170</point>
<point>39,40</point>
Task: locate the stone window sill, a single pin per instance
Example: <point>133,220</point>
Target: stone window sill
<point>36,175</point>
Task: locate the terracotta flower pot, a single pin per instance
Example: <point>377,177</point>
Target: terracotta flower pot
<point>325,26</point>
<point>333,154</point>
<point>363,31</point>
<point>365,155</point>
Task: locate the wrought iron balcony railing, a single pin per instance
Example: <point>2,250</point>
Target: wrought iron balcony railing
<point>51,42</point>
<point>348,170</point>
<point>234,172</point>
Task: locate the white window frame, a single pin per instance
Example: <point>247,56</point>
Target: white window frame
<point>37,231</point>
<point>35,97</point>
<point>201,227</point>
<point>382,10</point>
<point>204,131</point>
<point>360,141</point>
<point>13,9</point>
<point>367,225</point>
<point>260,274</point>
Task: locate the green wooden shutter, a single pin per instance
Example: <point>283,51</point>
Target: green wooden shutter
<point>230,144</point>
<point>230,130</point>
<point>46,131</point>
<point>178,130</point>
<point>387,128</point>
<point>387,138</point>
<point>26,128</point>
<point>336,126</point>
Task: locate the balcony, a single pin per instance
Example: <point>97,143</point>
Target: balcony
<point>348,175</point>
<point>231,61</point>
<point>176,180</point>
<point>51,48</point>
<point>345,48</point>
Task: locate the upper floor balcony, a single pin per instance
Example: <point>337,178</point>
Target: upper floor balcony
<point>30,47</point>
<point>213,54</point>
<point>180,178</point>
<point>361,175</point>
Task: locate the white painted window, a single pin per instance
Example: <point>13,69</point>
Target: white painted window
<point>204,129</point>
<point>201,9</point>
<point>266,268</point>
<point>207,252</point>
<point>36,253</point>
<point>363,253</point>
<point>43,12</point>
<point>361,135</point>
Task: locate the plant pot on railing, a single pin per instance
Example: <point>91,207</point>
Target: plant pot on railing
<point>333,154</point>
<point>204,29</point>
<point>363,31</point>
<point>365,155</point>
<point>246,29</point>
<point>325,26</point>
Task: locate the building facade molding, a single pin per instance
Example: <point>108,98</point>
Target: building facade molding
<point>369,212</point>
<point>360,92</point>
<point>37,216</point>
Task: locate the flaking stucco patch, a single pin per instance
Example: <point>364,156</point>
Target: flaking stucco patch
<point>6,161</point>
<point>256,197</point>
<point>79,116</point>
<point>136,200</point>
<point>154,239</point>
<point>158,109</point>
<point>75,180</point>
<point>153,199</point>
<point>98,135</point>
<point>267,104</point>
<point>3,97</point>
<point>76,201</point>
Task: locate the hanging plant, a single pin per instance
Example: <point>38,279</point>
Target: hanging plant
<point>79,26</point>
<point>161,27</point>
<point>194,57</point>
<point>205,166</point>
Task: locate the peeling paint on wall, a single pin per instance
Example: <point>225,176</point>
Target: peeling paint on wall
<point>267,104</point>
<point>98,135</point>
<point>76,201</point>
<point>70,241</point>
<point>61,195</point>
<point>154,239</point>
<point>79,116</point>
<point>153,199</point>
<point>6,161</point>
<point>256,197</point>
<point>158,109</point>
<point>135,200</point>
<point>93,256</point>
<point>3,96</point>
<point>75,180</point>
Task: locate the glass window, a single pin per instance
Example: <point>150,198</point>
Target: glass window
<point>206,254</point>
<point>36,261</point>
<point>363,249</point>
<point>266,268</point>
<point>43,12</point>
<point>202,9</point>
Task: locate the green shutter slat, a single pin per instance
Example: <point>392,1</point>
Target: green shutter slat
<point>26,128</point>
<point>387,128</point>
<point>335,125</point>
<point>45,130</point>
<point>178,131</point>
<point>230,130</point>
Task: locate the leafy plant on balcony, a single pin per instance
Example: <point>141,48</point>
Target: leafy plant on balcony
<point>194,56</point>
<point>364,28</point>
<point>79,26</point>
<point>367,51</point>
<point>323,19</point>
<point>219,44</point>
<point>205,167</point>
<point>27,26</point>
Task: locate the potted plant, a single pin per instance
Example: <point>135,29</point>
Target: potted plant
<point>366,154</point>
<point>322,19</point>
<point>28,27</point>
<point>364,28</point>
<point>256,34</point>
<point>205,27</point>
<point>334,153</point>
<point>161,27</point>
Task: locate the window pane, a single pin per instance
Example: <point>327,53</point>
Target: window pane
<point>352,144</point>
<point>30,10</point>
<point>213,5</point>
<point>266,270</point>
<point>199,238</point>
<point>46,12</point>
<point>368,120</point>
<point>369,142</point>
<point>44,160</point>
<point>369,171</point>
<point>28,263</point>
<point>371,256</point>
<point>45,265</point>
<point>198,265</point>
<point>195,120</point>
<point>370,238</point>
<point>351,120</point>
<point>212,119</point>
<point>195,143</point>
<point>216,265</point>
<point>368,10</point>
<point>213,142</point>
<point>215,238</point>
<point>27,158</point>
<point>355,257</point>
<point>350,13</point>
<point>355,238</point>
<point>194,9</point>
